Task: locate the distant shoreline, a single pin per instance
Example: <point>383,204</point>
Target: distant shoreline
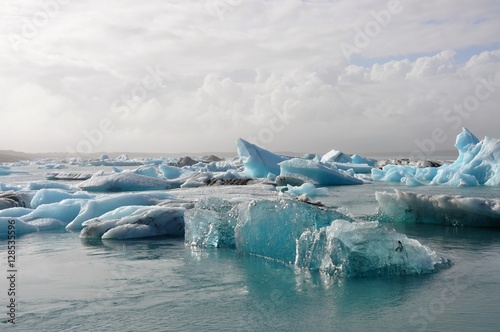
<point>9,156</point>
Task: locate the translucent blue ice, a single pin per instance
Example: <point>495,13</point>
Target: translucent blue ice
<point>271,228</point>
<point>15,212</point>
<point>21,227</point>
<point>174,172</point>
<point>363,249</point>
<point>211,223</point>
<point>317,173</point>
<point>47,196</point>
<point>258,162</point>
<point>478,163</point>
<point>65,211</point>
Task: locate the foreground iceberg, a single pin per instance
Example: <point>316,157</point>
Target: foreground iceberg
<point>478,163</point>
<point>297,233</point>
<point>211,223</point>
<point>271,228</point>
<point>317,173</point>
<point>258,162</point>
<point>438,209</point>
<point>364,249</point>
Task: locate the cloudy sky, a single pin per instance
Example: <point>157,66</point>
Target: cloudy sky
<point>290,75</point>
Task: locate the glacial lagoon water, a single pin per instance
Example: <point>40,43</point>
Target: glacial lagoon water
<point>159,284</point>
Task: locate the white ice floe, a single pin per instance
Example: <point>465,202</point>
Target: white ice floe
<point>449,210</point>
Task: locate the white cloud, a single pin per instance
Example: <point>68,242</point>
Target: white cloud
<point>227,71</point>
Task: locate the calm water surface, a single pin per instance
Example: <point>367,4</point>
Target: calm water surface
<point>66,284</point>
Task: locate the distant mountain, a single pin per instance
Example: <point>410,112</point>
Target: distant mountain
<point>9,156</point>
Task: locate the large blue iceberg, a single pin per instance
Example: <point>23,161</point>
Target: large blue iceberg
<point>308,237</point>
<point>478,163</point>
<point>271,228</point>
<point>258,161</point>
<point>317,173</point>
<point>449,210</point>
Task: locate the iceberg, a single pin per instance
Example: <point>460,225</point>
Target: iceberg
<point>336,156</point>
<point>10,200</point>
<point>478,163</point>
<point>126,181</point>
<point>68,176</point>
<point>21,227</point>
<point>174,172</point>
<point>364,249</point>
<point>47,196</point>
<point>258,162</point>
<point>143,222</point>
<point>101,204</point>
<point>340,160</point>
<point>15,212</point>
<point>449,210</point>
<point>308,189</point>
<point>271,228</point>
<point>307,236</point>
<point>48,224</point>
<point>316,173</point>
<point>49,185</point>
<point>64,211</point>
<point>211,223</point>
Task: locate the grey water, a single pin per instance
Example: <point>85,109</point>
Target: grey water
<point>159,284</point>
